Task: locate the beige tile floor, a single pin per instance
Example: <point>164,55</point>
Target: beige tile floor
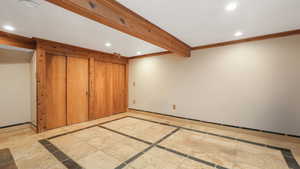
<point>99,148</point>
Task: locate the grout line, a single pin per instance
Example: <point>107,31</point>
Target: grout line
<point>70,132</point>
<point>187,156</point>
<point>123,134</point>
<point>166,136</point>
<point>212,134</point>
<point>59,155</point>
<point>124,164</point>
<point>289,159</point>
<point>287,154</point>
<point>158,146</point>
<point>162,123</point>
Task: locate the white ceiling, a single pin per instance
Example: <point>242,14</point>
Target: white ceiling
<point>196,22</point>
<point>200,22</point>
<point>50,22</point>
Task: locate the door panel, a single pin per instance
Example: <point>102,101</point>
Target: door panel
<point>118,83</point>
<point>103,102</point>
<point>56,91</point>
<point>77,89</point>
<point>109,89</point>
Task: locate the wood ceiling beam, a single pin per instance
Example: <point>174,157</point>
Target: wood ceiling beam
<point>16,40</point>
<point>117,16</point>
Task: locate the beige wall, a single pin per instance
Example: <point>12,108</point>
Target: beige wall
<point>15,104</point>
<point>254,84</point>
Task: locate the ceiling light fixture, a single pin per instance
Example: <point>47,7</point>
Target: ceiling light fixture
<point>231,6</point>
<point>238,34</point>
<point>8,28</point>
<point>29,3</point>
<point>138,53</point>
<point>107,44</point>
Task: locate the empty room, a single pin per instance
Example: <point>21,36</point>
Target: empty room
<point>136,84</point>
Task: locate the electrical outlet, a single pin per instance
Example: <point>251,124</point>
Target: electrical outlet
<point>133,101</point>
<point>174,106</point>
<point>133,83</point>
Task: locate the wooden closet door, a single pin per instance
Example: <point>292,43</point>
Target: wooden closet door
<point>118,83</point>
<point>110,82</point>
<point>56,91</point>
<point>77,89</point>
<point>103,90</point>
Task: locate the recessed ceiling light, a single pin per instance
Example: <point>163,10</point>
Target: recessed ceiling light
<point>231,6</point>
<point>8,28</point>
<point>107,44</point>
<point>238,33</point>
<point>139,53</point>
<point>29,3</point>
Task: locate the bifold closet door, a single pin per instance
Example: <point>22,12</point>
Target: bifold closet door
<point>109,89</point>
<point>118,83</point>
<point>103,90</point>
<point>56,91</point>
<point>77,89</point>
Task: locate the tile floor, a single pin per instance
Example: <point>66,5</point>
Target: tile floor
<point>139,140</point>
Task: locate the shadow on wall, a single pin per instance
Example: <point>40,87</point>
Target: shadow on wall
<point>15,86</point>
<point>12,56</point>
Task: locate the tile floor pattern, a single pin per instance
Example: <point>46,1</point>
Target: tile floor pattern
<point>148,141</point>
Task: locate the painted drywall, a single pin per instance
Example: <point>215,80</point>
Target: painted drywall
<point>254,84</point>
<point>15,103</point>
<point>33,88</point>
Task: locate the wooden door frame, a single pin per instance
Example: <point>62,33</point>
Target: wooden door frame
<point>41,88</point>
